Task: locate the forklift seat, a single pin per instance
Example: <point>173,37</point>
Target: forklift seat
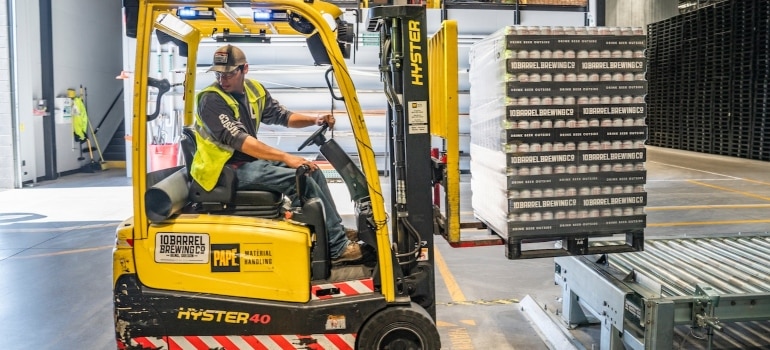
<point>225,196</point>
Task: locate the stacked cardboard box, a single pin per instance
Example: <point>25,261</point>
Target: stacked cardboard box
<point>557,132</point>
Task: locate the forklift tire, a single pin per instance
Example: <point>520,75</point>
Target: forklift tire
<point>400,328</point>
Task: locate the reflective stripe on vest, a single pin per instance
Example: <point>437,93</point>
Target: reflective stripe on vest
<point>211,155</point>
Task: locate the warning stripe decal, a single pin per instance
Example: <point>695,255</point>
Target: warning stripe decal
<point>282,342</point>
<point>197,342</point>
<point>261,342</point>
<point>226,342</point>
<point>347,288</point>
<point>252,343</point>
<point>341,343</point>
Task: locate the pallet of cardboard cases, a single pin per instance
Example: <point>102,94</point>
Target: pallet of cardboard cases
<point>558,126</point>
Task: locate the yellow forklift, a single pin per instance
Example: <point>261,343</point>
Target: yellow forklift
<point>235,269</point>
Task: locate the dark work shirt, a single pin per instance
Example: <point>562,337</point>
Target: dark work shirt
<point>222,125</point>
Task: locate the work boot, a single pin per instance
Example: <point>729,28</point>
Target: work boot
<point>351,234</point>
<point>351,253</point>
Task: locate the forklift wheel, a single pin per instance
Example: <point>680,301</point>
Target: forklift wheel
<point>400,328</point>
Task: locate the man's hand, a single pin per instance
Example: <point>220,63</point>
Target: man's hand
<point>295,162</point>
<point>327,118</point>
<point>297,120</point>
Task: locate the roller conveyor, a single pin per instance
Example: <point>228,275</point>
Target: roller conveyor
<point>689,293</point>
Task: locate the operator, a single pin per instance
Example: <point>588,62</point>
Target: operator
<point>226,123</point>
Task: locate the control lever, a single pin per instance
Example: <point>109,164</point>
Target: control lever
<point>300,181</point>
<point>163,87</point>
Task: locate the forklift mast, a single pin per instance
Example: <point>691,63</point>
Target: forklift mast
<point>403,68</point>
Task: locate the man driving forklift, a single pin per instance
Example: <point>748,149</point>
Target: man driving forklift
<point>200,269</point>
<point>226,139</point>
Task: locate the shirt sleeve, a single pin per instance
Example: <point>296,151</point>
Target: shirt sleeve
<point>275,113</point>
<point>218,118</point>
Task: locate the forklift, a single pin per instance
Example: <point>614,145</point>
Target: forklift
<point>244,269</point>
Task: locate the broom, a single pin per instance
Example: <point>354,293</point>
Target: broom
<point>102,163</point>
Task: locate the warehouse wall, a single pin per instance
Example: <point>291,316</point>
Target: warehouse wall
<point>636,13</point>
<point>28,88</point>
<point>87,52</point>
<point>6,129</point>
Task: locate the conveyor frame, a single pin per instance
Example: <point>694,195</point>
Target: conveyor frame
<point>639,298</point>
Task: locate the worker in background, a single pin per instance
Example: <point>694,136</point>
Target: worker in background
<point>227,120</point>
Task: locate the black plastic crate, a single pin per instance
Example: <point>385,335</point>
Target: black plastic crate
<point>740,140</point>
<point>764,156</point>
<point>720,144</point>
<point>761,141</point>
<point>760,153</point>
<point>739,150</point>
<point>705,148</point>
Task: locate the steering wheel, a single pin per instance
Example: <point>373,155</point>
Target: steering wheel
<point>316,138</point>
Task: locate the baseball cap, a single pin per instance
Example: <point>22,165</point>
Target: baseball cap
<point>227,58</point>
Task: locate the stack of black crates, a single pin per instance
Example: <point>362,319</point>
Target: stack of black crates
<point>761,140</point>
<point>557,137</point>
<point>708,78</point>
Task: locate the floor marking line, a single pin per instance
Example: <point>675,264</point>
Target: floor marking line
<point>747,194</point>
<point>707,172</point>
<point>693,169</point>
<point>685,180</point>
<point>701,223</point>
<point>758,182</point>
<point>482,302</point>
<point>451,284</point>
<point>56,229</point>
<point>65,252</point>
<point>460,339</point>
<point>708,206</point>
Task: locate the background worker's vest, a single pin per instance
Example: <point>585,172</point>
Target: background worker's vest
<point>211,156</point>
<point>79,119</point>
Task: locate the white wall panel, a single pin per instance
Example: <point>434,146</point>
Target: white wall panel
<point>87,51</point>
<point>7,151</point>
<point>635,13</point>
<point>28,84</point>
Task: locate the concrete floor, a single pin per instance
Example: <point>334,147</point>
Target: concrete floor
<point>56,239</point>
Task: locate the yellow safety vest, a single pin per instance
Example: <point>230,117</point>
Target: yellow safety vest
<point>211,155</point>
<point>79,119</point>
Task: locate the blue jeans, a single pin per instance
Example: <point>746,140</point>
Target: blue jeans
<point>276,176</point>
